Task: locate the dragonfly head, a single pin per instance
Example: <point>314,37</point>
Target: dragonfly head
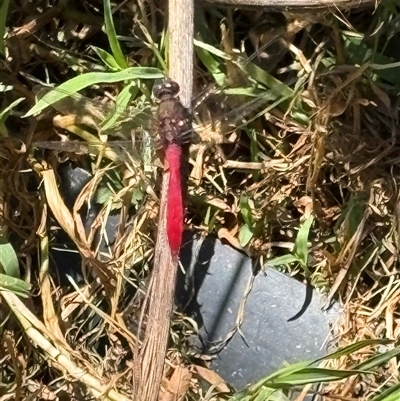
<point>165,89</point>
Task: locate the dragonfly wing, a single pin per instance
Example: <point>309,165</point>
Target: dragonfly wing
<point>120,121</point>
<point>214,123</point>
<point>227,108</point>
<point>117,151</point>
<point>75,104</point>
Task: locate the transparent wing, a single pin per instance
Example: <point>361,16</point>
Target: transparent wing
<point>116,151</point>
<point>220,109</point>
<point>99,126</point>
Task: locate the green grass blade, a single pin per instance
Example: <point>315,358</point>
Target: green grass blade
<point>245,235</point>
<point>112,36</point>
<point>303,373</point>
<point>285,371</point>
<point>15,285</point>
<point>378,360</point>
<point>359,52</point>
<point>353,348</point>
<point>280,89</point>
<point>207,216</point>
<point>301,244</point>
<point>251,91</point>
<point>270,394</point>
<point>107,58</point>
<point>9,260</point>
<point>283,260</point>
<point>391,394</point>
<point>206,54</point>
<point>352,215</point>
<point>311,375</point>
<point>263,394</point>
<point>4,113</point>
<point>3,18</point>
<point>211,49</point>
<point>92,78</point>
<point>123,99</point>
<point>246,210</point>
<point>246,231</point>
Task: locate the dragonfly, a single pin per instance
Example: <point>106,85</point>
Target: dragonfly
<point>78,111</point>
<point>174,130</point>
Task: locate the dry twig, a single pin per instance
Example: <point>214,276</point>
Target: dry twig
<point>162,288</point>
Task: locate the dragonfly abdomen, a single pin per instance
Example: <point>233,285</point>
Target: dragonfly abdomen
<point>173,156</point>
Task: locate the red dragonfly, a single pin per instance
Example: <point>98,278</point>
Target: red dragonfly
<point>174,129</point>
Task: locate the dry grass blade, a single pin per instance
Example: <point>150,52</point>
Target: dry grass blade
<point>51,347</point>
<point>71,224</point>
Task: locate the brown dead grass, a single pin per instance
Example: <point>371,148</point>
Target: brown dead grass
<point>334,145</point>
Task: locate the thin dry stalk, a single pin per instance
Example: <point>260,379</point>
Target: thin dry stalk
<point>162,288</point>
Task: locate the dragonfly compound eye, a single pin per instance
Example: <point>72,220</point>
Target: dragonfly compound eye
<point>165,88</point>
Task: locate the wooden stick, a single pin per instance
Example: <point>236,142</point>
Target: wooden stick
<point>181,32</point>
<point>296,5</point>
<point>162,287</point>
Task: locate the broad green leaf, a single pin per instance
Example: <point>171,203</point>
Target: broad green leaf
<point>275,395</point>
<point>107,58</point>
<point>112,36</point>
<point>301,247</point>
<point>15,285</point>
<point>245,235</point>
<point>92,78</point>
<point>9,260</point>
